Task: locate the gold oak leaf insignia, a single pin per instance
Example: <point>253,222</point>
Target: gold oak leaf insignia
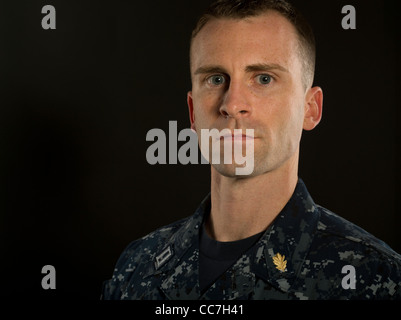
<point>280,262</point>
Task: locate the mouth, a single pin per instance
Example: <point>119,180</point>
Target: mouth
<point>236,137</point>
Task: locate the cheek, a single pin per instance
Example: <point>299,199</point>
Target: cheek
<point>205,107</point>
<point>284,121</point>
<point>275,113</point>
<point>293,125</point>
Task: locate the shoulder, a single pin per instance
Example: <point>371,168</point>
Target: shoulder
<point>144,249</point>
<point>339,243</point>
<point>138,258</point>
<point>345,233</point>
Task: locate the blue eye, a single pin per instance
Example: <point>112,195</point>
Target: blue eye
<point>264,79</point>
<point>216,80</point>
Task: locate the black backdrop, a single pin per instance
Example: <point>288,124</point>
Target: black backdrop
<point>76,104</point>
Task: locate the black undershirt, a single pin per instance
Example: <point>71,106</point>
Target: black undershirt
<point>216,257</point>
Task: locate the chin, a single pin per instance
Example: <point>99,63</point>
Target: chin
<point>229,171</point>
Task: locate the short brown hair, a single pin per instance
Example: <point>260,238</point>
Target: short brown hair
<point>240,9</point>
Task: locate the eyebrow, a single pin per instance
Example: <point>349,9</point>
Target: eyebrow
<point>251,68</point>
<point>265,67</point>
<point>209,69</point>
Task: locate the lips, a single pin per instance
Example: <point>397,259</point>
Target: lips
<point>236,137</point>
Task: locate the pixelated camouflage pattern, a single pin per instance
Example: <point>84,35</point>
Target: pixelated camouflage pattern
<point>315,242</point>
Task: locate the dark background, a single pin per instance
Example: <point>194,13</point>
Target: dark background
<point>76,104</point>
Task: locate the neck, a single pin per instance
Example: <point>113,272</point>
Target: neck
<point>242,207</point>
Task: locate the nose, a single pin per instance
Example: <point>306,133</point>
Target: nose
<point>235,102</point>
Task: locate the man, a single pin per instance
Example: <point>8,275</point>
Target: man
<point>258,236</point>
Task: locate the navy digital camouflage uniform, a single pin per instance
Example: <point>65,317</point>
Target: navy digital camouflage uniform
<point>316,244</point>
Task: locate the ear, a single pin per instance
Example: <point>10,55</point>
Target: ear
<point>190,103</point>
<point>313,108</point>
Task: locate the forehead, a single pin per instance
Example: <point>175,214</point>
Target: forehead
<point>268,37</point>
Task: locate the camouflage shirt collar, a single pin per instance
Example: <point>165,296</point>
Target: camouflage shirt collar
<point>290,235</point>
<point>287,240</point>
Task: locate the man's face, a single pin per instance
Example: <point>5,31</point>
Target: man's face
<point>247,74</point>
